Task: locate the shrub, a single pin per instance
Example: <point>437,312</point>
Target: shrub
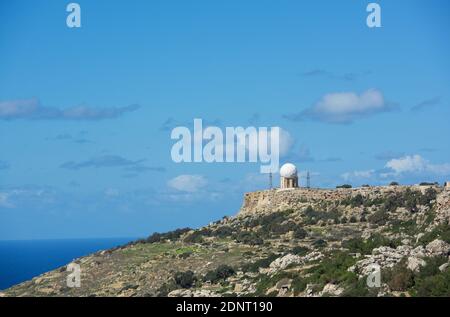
<point>428,184</point>
<point>441,232</point>
<point>195,237</point>
<point>171,235</point>
<point>432,267</point>
<point>300,233</point>
<point>223,232</point>
<point>409,226</point>
<point>280,228</point>
<point>333,269</point>
<point>357,200</point>
<point>358,288</point>
<point>353,219</point>
<point>312,216</point>
<point>184,279</point>
<point>248,237</point>
<point>298,285</point>
<point>344,186</point>
<point>261,263</point>
<point>300,250</point>
<point>379,217</point>
<point>220,273</point>
<point>399,278</point>
<point>165,289</point>
<point>320,243</point>
<point>359,245</point>
<point>394,184</point>
<point>436,285</point>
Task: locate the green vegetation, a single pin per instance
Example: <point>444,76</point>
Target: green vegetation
<point>184,279</point>
<point>312,217</point>
<point>300,233</point>
<point>344,186</point>
<point>333,269</point>
<point>379,217</point>
<point>161,237</point>
<point>436,285</point>
<point>399,278</point>
<point>319,243</point>
<point>300,250</point>
<point>249,237</point>
<point>410,199</point>
<point>194,237</point>
<point>265,282</point>
<point>441,232</point>
<point>358,288</point>
<point>356,201</point>
<point>219,274</point>
<point>429,184</point>
<point>359,245</point>
<point>261,263</point>
<point>409,227</point>
<point>165,289</point>
<point>430,281</point>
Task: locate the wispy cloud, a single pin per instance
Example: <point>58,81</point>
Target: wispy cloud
<point>188,183</point>
<point>350,76</point>
<point>12,197</point>
<point>388,155</point>
<point>344,107</point>
<point>33,110</point>
<point>426,104</point>
<point>331,159</point>
<point>108,161</point>
<point>79,139</point>
<point>4,200</point>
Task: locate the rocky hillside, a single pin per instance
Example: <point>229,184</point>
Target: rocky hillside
<point>283,243</point>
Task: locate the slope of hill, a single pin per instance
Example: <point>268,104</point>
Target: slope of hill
<point>301,242</point>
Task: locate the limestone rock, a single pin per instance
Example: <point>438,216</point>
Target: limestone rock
<point>192,293</point>
<point>438,247</point>
<point>332,290</point>
<point>444,267</point>
<point>414,263</point>
<point>285,261</point>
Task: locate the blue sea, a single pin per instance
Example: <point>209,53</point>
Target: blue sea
<point>21,260</point>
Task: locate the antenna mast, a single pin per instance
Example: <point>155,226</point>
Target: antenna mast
<point>308,180</point>
<point>270,180</point>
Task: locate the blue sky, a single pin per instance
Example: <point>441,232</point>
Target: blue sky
<point>86,114</point>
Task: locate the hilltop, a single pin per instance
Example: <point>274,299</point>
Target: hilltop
<point>296,242</point>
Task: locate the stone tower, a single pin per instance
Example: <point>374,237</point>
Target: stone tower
<point>288,176</point>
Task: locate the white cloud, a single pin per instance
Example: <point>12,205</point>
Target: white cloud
<point>4,202</point>
<point>416,164</point>
<point>345,107</point>
<point>188,183</point>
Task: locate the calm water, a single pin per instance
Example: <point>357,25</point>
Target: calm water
<point>22,260</point>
